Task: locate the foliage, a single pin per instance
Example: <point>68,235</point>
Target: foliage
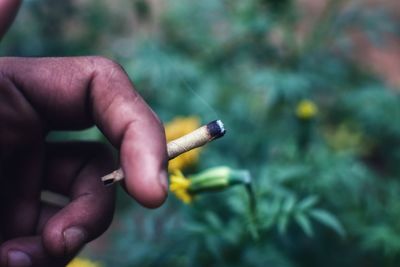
<point>326,188</point>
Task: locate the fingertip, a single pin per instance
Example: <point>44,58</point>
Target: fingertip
<point>74,239</point>
<point>61,243</point>
<point>15,255</point>
<point>53,239</point>
<point>150,190</point>
<point>18,258</point>
<point>28,251</point>
<point>163,178</point>
<point>91,209</point>
<point>143,159</point>
<point>159,199</point>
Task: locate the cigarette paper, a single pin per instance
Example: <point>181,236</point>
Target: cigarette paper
<point>197,138</point>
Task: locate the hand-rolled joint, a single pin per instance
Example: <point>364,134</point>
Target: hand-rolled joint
<point>197,138</point>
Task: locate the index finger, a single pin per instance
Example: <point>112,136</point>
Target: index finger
<point>74,93</point>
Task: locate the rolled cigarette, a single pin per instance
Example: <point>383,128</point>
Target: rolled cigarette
<point>197,138</point>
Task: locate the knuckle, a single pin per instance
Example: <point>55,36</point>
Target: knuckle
<point>104,64</point>
<point>21,124</point>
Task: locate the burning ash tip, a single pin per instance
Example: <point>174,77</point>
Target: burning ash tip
<point>221,126</point>
<point>216,129</point>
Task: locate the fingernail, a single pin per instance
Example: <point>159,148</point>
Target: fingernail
<point>164,180</point>
<point>18,259</point>
<point>74,238</point>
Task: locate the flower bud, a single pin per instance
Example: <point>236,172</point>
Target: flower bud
<point>210,180</point>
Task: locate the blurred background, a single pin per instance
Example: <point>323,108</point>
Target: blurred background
<point>309,92</point>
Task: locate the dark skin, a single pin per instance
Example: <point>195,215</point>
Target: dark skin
<point>38,95</point>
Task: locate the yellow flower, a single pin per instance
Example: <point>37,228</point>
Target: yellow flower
<point>81,262</point>
<point>175,129</point>
<point>179,185</point>
<point>306,110</point>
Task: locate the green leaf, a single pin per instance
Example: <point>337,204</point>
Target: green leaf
<point>195,228</point>
<point>213,220</point>
<point>283,222</point>
<point>304,223</point>
<point>328,220</point>
<point>275,207</point>
<point>308,202</point>
<point>289,204</point>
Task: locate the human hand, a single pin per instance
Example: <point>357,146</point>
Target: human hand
<point>44,94</point>
<point>40,95</point>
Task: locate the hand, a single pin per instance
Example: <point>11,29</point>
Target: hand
<point>39,95</point>
<point>44,94</point>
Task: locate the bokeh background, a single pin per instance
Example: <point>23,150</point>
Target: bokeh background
<point>309,93</point>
